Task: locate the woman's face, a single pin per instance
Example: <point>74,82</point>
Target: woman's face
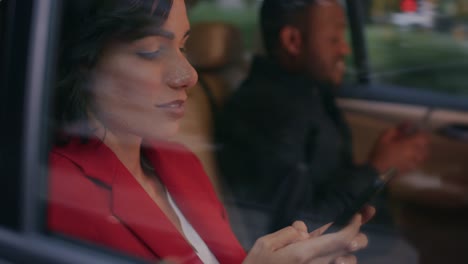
<point>140,88</point>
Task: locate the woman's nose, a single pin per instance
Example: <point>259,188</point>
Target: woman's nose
<point>183,75</point>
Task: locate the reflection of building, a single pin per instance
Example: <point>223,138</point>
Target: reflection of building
<point>452,7</point>
<point>381,8</point>
<point>461,7</point>
<point>440,15</point>
<point>408,6</point>
<point>415,13</point>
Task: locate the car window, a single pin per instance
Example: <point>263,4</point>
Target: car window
<point>418,44</point>
<point>83,204</point>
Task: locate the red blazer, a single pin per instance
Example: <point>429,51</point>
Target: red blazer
<point>93,197</point>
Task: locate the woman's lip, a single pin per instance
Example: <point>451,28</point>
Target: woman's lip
<point>172,104</point>
<point>175,109</point>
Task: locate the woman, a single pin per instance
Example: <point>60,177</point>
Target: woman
<point>115,179</point>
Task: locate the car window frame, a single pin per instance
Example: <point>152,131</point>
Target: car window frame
<point>15,39</point>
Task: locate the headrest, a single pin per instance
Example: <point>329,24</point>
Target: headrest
<point>213,45</point>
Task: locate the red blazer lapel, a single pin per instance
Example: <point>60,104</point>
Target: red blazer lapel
<point>187,183</point>
<point>193,193</point>
<point>135,209</point>
<point>129,202</point>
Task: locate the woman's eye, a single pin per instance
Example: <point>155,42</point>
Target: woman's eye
<point>149,54</point>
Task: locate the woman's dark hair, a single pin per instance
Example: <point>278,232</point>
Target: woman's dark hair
<point>87,27</point>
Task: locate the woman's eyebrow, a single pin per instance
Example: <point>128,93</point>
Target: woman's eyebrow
<point>163,33</point>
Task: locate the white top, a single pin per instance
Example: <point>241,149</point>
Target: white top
<point>203,252</point>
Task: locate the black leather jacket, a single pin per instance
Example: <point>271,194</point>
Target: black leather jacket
<point>284,147</point>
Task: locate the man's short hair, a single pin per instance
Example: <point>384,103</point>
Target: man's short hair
<point>275,14</point>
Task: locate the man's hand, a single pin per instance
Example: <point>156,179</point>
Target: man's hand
<point>396,148</point>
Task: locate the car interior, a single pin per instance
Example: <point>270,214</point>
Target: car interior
<point>430,206</point>
<point>424,194</point>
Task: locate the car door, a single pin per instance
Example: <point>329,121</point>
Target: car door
<point>415,73</point>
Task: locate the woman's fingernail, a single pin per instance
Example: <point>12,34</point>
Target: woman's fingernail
<point>340,261</point>
<point>354,245</point>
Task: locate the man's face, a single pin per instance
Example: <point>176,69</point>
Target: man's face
<point>325,45</point>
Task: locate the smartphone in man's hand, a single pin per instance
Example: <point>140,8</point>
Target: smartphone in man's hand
<point>365,197</point>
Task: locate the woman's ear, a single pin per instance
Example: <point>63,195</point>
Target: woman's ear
<point>291,40</point>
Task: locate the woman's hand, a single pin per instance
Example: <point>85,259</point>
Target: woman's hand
<point>294,244</point>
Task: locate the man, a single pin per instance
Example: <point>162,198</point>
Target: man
<point>285,145</point>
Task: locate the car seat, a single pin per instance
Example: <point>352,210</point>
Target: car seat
<point>215,50</point>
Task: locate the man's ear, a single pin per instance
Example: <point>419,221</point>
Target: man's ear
<point>291,40</point>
